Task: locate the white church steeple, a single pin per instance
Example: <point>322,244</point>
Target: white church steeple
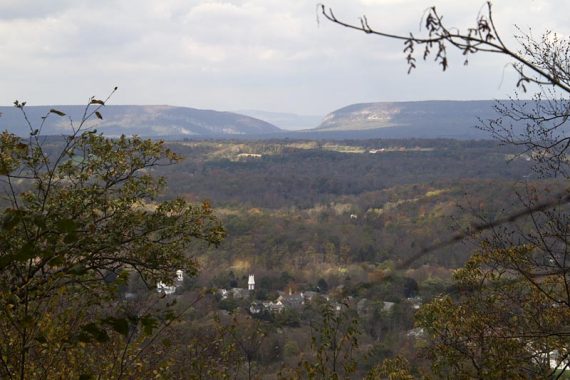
<point>251,282</point>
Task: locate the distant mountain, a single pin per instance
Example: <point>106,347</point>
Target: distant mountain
<point>424,119</point>
<point>147,121</point>
<point>287,121</point>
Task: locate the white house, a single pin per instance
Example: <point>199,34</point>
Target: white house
<point>162,288</point>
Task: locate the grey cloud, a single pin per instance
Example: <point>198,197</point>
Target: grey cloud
<point>238,54</point>
<point>31,9</point>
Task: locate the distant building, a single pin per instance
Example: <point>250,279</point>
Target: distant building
<point>417,332</point>
<point>415,302</point>
<point>363,307</point>
<point>248,155</point>
<point>162,288</point>
<point>337,307</point>
<point>310,295</point>
<point>239,293</point>
<point>251,282</point>
<point>256,308</point>
<point>558,360</point>
<point>293,301</point>
<point>223,293</point>
<point>387,306</point>
<point>235,293</point>
<point>274,307</point>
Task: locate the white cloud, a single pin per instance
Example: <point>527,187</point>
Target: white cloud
<point>238,54</point>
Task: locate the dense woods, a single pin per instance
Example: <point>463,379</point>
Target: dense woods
<point>508,319</point>
<point>336,218</point>
<point>280,259</point>
<point>313,221</point>
<point>300,196</point>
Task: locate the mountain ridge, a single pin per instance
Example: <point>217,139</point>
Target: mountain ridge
<point>143,120</point>
<point>429,118</point>
<point>455,119</point>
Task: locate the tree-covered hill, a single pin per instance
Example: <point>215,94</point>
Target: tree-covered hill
<point>147,121</point>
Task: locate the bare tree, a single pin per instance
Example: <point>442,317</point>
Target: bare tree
<point>510,319</point>
<point>540,125</point>
<point>78,215</point>
<point>543,62</point>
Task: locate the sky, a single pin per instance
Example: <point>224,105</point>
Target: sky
<point>272,55</point>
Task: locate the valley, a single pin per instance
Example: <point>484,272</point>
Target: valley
<point>336,219</point>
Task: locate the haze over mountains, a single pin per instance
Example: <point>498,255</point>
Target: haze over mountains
<point>422,119</point>
<point>148,121</point>
<point>287,121</point>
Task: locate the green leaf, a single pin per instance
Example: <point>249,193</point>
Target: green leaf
<point>170,315</point>
<point>66,225</point>
<point>70,238</point>
<point>56,261</point>
<point>28,251</point>
<point>57,112</point>
<point>40,221</point>
<point>11,219</point>
<point>95,332</point>
<point>78,269</point>
<point>120,325</point>
<point>41,339</point>
<point>149,323</point>
<point>86,376</point>
<point>12,299</point>
<point>27,321</point>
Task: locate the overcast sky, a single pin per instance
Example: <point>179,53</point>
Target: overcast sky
<point>243,54</point>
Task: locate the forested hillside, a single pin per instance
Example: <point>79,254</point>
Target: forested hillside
<point>282,199</point>
<point>147,121</point>
<point>427,119</point>
<point>319,231</point>
<point>337,218</point>
<point>398,237</point>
